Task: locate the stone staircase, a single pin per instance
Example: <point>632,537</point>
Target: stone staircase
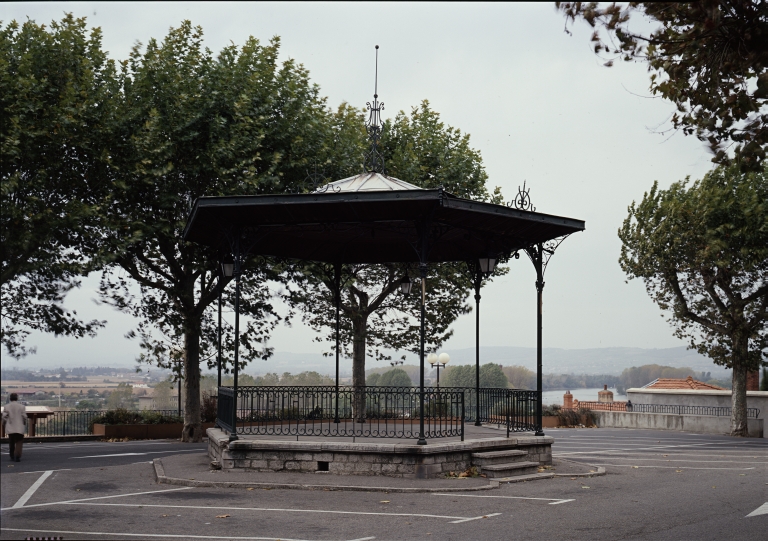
<point>508,463</point>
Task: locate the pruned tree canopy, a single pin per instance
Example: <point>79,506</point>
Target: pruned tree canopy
<point>701,249</point>
<point>709,58</point>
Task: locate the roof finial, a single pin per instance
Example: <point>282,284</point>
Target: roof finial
<point>374,161</point>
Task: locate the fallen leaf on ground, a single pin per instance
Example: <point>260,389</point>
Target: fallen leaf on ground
<point>678,471</point>
<point>249,488</point>
<point>222,516</point>
<point>384,501</point>
<point>742,474</point>
<point>635,467</point>
<point>584,487</point>
<point>573,478</point>
<point>163,515</point>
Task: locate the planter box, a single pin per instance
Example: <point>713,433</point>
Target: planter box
<point>554,421</point>
<point>142,431</point>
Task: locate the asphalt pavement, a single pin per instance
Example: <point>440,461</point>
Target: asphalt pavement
<point>74,455</point>
<point>659,485</point>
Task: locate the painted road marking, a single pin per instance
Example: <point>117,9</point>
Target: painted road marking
<point>555,501</point>
<point>673,454</point>
<point>172,536</point>
<point>654,448</point>
<point>99,497</point>
<point>672,467</point>
<point>42,471</point>
<point>140,454</point>
<point>455,520</point>
<point>603,457</point>
<point>28,494</point>
<point>475,518</point>
<point>762,510</point>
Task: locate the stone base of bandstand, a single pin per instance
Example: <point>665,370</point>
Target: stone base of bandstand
<point>399,459</point>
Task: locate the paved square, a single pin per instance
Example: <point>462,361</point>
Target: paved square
<point>659,485</point>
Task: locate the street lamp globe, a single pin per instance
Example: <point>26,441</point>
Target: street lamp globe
<point>444,358</point>
<point>432,358</point>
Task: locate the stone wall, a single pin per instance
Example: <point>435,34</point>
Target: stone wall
<point>342,458</point>
<point>703,424</point>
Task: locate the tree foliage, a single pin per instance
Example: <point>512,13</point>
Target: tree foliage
<point>709,58</point>
<point>638,376</point>
<point>420,149</point>
<point>58,95</point>
<point>491,376</point>
<point>194,124</point>
<point>702,251</point>
<point>397,377</point>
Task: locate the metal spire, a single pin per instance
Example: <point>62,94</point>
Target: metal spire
<point>374,161</point>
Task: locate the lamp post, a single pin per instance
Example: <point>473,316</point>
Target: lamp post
<point>226,271</point>
<point>483,268</point>
<point>438,361</point>
<point>236,270</point>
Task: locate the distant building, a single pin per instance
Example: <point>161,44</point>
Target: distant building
<point>678,384</point>
<point>148,403</point>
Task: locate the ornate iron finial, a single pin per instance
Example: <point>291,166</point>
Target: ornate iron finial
<point>374,161</point>
<point>522,200</point>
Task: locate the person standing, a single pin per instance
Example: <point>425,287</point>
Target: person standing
<point>15,419</point>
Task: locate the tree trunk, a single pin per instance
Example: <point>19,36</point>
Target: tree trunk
<point>359,332</point>
<point>739,396</point>
<point>193,430</point>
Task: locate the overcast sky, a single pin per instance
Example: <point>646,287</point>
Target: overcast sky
<point>539,106</point>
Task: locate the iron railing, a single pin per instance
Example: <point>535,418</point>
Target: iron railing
<point>374,412</point>
<point>371,412</point>
<point>72,422</point>
<point>716,411</point>
<point>514,408</point>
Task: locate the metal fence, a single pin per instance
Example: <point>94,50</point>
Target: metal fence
<point>513,408</point>
<point>371,412</point>
<point>716,411</point>
<point>72,422</point>
<point>374,412</point>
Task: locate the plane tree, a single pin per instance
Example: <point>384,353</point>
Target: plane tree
<point>701,248</point>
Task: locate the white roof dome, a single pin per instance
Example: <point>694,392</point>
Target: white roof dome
<point>367,182</point>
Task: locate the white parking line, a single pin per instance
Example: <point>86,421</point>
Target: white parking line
<point>455,520</point>
<point>625,457</point>
<point>140,454</point>
<point>653,448</point>
<point>762,510</point>
<point>474,518</point>
<point>99,498</point>
<point>554,501</point>
<point>41,471</point>
<point>28,494</point>
<point>161,535</point>
<point>673,467</point>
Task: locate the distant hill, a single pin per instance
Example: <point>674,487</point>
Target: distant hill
<point>556,360</point>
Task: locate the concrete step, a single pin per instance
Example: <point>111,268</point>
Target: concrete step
<point>498,457</point>
<point>510,470</point>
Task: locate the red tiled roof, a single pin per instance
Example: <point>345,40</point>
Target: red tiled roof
<point>687,383</point>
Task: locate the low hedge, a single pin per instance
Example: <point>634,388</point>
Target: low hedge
<point>123,416</point>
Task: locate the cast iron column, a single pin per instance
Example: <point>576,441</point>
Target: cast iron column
<point>423,271</point>
<point>337,293</point>
<point>478,283</point>
<point>539,300</point>
<point>233,434</point>
<point>218,334</point>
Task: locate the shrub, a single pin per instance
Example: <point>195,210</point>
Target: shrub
<point>122,416</point>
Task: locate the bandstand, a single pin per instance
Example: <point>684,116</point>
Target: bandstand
<point>375,218</point>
